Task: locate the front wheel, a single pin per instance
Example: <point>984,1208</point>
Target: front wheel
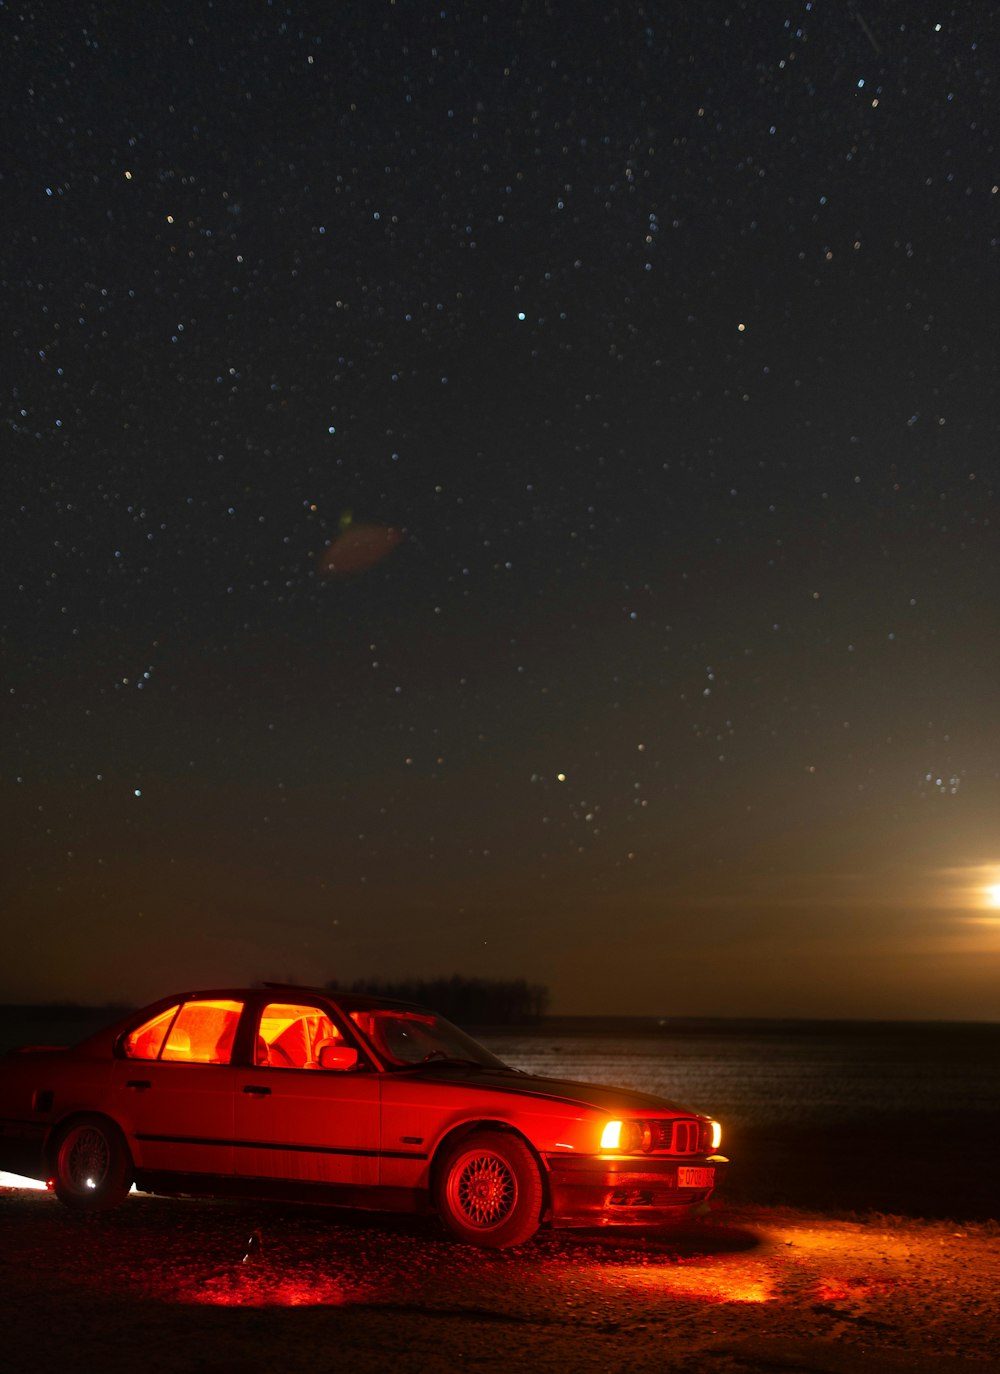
<point>93,1168</point>
<point>489,1190</point>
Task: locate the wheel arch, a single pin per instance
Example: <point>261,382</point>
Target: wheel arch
<point>56,1131</point>
<point>466,1128</point>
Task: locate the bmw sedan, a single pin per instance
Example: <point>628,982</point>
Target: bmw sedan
<point>292,1093</point>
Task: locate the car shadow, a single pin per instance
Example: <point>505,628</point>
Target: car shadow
<point>678,1242</point>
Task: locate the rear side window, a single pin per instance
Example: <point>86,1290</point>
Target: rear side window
<point>192,1033</point>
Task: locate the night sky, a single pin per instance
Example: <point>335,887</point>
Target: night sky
<point>508,490</point>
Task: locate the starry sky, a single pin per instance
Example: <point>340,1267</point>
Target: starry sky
<point>504,489</point>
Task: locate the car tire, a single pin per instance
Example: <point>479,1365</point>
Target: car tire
<point>92,1165</point>
<point>489,1190</point>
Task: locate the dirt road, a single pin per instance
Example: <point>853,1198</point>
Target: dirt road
<point>163,1285</point>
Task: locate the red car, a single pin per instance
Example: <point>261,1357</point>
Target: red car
<point>294,1093</point>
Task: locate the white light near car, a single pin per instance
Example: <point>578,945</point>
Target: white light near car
<point>716,1135</point>
<point>611,1135</point>
<point>19,1181</point>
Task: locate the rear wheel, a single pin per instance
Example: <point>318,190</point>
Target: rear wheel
<point>93,1168</point>
<point>489,1190</point>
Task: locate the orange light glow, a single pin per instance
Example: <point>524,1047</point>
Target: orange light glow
<point>290,1034</point>
<point>200,1031</point>
<point>715,1285</point>
<point>611,1135</point>
<point>749,1290</point>
<point>832,1290</point>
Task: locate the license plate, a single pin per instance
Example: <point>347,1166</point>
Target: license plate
<point>695,1178</point>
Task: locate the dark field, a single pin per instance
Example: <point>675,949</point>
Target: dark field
<point>161,1286</point>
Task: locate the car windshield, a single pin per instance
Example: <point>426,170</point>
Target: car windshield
<point>403,1038</point>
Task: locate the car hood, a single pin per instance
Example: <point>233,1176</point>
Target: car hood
<point>565,1090</point>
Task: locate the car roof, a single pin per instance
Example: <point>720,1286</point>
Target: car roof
<point>347,1001</point>
<point>351,1001</point>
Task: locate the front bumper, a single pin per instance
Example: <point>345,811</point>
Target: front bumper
<point>626,1191</point>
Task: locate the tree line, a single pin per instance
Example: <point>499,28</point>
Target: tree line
<point>466,1001</point>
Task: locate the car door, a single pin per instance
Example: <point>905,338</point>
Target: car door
<point>172,1089</point>
<point>295,1121</point>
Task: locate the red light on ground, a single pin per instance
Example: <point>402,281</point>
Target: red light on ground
<point>832,1289</point>
<point>832,1292</point>
<point>242,1291</point>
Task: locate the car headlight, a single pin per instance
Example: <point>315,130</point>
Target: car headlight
<point>627,1137</point>
<point>638,1137</point>
<point>611,1135</point>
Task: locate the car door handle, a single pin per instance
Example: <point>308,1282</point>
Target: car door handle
<point>138,1084</point>
<point>255,1090</point>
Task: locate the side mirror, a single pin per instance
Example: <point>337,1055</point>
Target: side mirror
<point>338,1057</point>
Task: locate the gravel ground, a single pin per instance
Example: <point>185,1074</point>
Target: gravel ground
<point>168,1285</point>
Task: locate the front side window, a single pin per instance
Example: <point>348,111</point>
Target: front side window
<point>291,1036</point>
<point>200,1032</point>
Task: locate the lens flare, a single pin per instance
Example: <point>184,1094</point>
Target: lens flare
<point>359,547</point>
